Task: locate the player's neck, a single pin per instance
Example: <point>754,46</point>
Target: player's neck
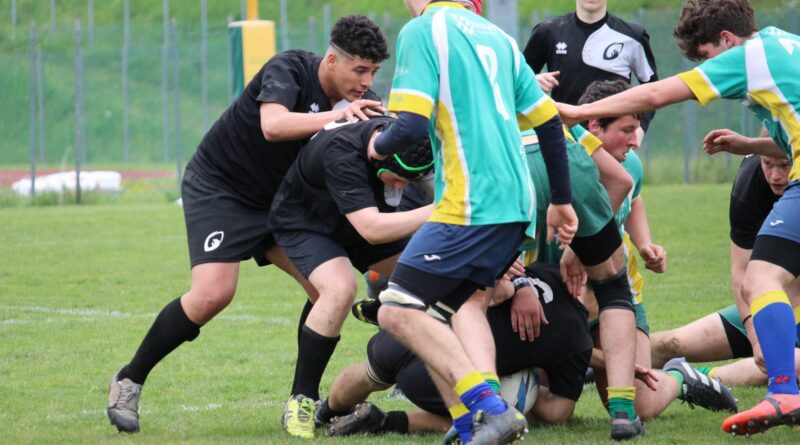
<point>590,16</point>
<point>326,81</point>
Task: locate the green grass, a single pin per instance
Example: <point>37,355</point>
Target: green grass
<point>80,286</point>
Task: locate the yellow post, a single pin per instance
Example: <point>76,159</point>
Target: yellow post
<point>252,9</point>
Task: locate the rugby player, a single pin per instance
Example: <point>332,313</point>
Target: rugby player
<point>759,183</point>
<point>483,198</point>
<point>561,350</point>
<point>231,179</point>
<point>329,215</point>
<point>742,62</point>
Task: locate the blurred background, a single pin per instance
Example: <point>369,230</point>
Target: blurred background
<point>136,83</point>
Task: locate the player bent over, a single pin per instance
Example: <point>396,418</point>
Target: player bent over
<point>231,179</point>
<point>329,216</point>
<point>759,182</point>
<point>761,67</point>
<point>561,351</point>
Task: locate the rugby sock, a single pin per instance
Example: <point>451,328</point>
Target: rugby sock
<point>462,421</point>
<point>324,413</point>
<point>712,372</point>
<point>303,316</point>
<point>773,320</point>
<point>312,358</point>
<point>679,377</point>
<point>708,370</point>
<point>170,329</point>
<point>395,422</point>
<point>492,380</point>
<point>797,321</point>
<point>476,395</point>
<point>620,398</point>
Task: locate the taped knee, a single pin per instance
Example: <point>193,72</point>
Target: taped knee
<point>396,295</point>
<point>614,292</point>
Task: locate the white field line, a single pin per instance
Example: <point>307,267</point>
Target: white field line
<point>88,314</point>
<point>143,411</point>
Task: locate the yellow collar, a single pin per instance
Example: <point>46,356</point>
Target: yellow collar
<point>448,4</point>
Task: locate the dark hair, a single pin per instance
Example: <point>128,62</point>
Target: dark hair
<point>413,163</point>
<point>702,20</point>
<point>600,89</point>
<point>359,36</point>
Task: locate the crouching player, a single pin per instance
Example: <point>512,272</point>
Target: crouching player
<point>561,351</point>
<point>721,335</point>
<point>330,215</point>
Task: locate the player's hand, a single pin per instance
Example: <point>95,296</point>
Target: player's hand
<point>517,269</point>
<point>503,290</point>
<point>573,273</point>
<point>647,376</point>
<point>570,114</point>
<point>362,109</point>
<point>548,81</point>
<point>527,315</point>
<point>561,218</point>
<point>725,140</point>
<point>655,257</point>
<point>371,153</point>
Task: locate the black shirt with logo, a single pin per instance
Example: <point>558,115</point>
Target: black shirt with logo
<point>234,152</point>
<point>609,49</point>
<point>331,178</point>
<point>751,201</point>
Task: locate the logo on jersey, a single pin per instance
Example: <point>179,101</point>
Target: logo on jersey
<point>430,258</point>
<point>775,223</point>
<point>613,51</point>
<point>213,240</point>
<point>314,108</point>
<point>561,48</point>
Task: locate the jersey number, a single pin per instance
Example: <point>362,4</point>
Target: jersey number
<point>789,44</point>
<point>489,61</point>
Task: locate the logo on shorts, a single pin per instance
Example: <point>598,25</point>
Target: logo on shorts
<point>775,223</point>
<point>430,258</point>
<point>561,48</point>
<point>314,108</point>
<point>213,240</point>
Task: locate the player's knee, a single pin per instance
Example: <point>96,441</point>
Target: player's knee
<point>666,343</point>
<point>395,301</point>
<point>211,300</point>
<point>340,292</point>
<point>613,292</point>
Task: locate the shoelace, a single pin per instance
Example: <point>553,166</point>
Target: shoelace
<point>127,393</point>
<point>304,412</point>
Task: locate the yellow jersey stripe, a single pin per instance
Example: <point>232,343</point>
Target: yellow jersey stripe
<point>451,209</point>
<point>410,101</point>
<point>703,90</point>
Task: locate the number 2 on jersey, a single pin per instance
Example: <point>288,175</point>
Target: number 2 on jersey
<point>489,62</point>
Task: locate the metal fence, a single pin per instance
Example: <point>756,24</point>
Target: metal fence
<point>146,94</point>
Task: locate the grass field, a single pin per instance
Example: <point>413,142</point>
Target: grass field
<point>80,285</point>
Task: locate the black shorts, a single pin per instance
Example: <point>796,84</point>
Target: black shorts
<point>308,250</point>
<point>220,228</point>
<point>565,376</point>
<point>392,363</point>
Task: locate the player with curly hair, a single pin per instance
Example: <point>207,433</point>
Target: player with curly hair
<point>230,182</point>
<point>761,68</point>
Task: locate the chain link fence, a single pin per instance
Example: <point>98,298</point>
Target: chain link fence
<point>146,94</point>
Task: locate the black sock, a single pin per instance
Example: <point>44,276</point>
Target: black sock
<point>325,413</point>
<point>312,358</point>
<point>170,329</point>
<point>302,322</point>
<point>396,422</point>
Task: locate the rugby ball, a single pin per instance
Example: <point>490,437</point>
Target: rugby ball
<point>520,389</point>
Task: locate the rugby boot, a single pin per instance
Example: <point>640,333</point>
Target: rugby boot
<point>298,416</point>
<point>452,437</point>
<point>366,310</point>
<point>623,428</point>
<point>700,389</point>
<point>123,404</point>
<point>498,429</point>
<point>774,410</point>
<point>366,418</point>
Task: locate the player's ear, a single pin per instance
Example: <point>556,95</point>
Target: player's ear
<point>593,125</point>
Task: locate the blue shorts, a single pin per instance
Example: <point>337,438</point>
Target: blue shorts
<point>784,219</point>
<point>475,253</point>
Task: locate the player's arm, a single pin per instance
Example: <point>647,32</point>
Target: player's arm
<point>534,52</point>
<point>641,98</point>
<point>654,255</point>
<point>732,142</point>
<point>616,180</point>
<point>280,124</point>
<point>380,228</point>
<point>407,130</point>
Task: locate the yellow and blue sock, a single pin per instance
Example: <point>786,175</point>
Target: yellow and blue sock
<point>797,321</point>
<point>462,421</point>
<point>476,395</point>
<point>621,398</point>
<point>774,322</point>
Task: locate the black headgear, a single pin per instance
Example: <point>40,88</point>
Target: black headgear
<point>413,163</point>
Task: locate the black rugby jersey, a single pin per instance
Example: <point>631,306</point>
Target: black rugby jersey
<point>331,177</point>
<point>609,49</point>
<point>234,152</point>
<point>751,201</point>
